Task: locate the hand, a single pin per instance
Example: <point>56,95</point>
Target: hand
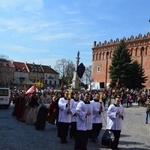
<point>68,102</point>
<point>101,109</point>
<point>121,116</point>
<point>88,113</point>
<point>69,111</point>
<point>118,112</point>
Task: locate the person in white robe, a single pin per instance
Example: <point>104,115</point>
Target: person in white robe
<point>73,128</point>
<point>84,113</point>
<point>65,105</point>
<point>98,108</point>
<point>115,116</point>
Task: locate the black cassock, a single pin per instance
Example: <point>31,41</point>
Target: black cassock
<point>41,118</point>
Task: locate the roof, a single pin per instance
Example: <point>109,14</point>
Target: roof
<point>48,69</point>
<point>34,68</point>
<point>6,63</point>
<point>20,66</point>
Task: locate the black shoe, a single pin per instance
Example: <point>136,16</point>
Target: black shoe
<point>146,122</point>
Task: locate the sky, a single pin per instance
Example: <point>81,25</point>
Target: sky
<point>44,31</point>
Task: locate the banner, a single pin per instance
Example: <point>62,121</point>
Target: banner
<point>80,70</point>
<point>30,90</point>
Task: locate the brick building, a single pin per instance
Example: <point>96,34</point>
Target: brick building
<point>102,53</point>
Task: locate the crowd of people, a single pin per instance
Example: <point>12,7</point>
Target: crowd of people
<point>78,114</point>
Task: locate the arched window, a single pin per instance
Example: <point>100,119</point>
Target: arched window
<point>142,51</point>
<point>103,55</point>
<point>107,55</point>
<point>136,51</point>
<point>146,50</point>
<point>110,54</point>
<point>130,51</point>
<point>96,56</point>
<point>100,56</point>
<point>93,57</point>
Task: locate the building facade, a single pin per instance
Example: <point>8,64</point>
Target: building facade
<point>36,73</point>
<point>6,72</point>
<point>102,53</point>
<point>20,74</point>
<point>51,77</point>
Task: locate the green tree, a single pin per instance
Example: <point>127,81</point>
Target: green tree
<point>120,66</point>
<point>138,77</point>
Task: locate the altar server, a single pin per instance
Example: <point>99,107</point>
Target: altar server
<point>65,105</point>
<point>84,113</point>
<point>98,108</point>
<point>115,115</point>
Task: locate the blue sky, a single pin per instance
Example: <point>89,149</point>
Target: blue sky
<point>43,31</point>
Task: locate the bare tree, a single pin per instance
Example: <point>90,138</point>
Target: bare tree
<point>87,74</point>
<point>60,66</point>
<point>65,69</point>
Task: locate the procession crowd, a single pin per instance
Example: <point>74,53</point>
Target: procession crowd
<point>78,115</point>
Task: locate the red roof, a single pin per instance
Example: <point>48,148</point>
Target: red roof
<point>48,69</point>
<point>20,66</point>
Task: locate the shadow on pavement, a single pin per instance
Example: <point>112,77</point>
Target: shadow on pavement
<point>145,147</point>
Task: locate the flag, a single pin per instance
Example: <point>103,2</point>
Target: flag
<point>117,82</point>
<point>30,90</point>
<point>80,70</point>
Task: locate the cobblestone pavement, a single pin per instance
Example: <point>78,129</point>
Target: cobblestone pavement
<point>15,135</point>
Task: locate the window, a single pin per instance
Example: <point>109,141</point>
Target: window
<point>4,92</point>
<point>98,68</point>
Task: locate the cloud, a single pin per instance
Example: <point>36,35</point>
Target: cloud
<point>24,49</point>
<point>48,37</point>
<point>9,6</point>
<point>24,25</point>
<point>50,61</point>
<point>66,10</point>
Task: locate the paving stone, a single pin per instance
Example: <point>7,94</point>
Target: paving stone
<point>15,135</point>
